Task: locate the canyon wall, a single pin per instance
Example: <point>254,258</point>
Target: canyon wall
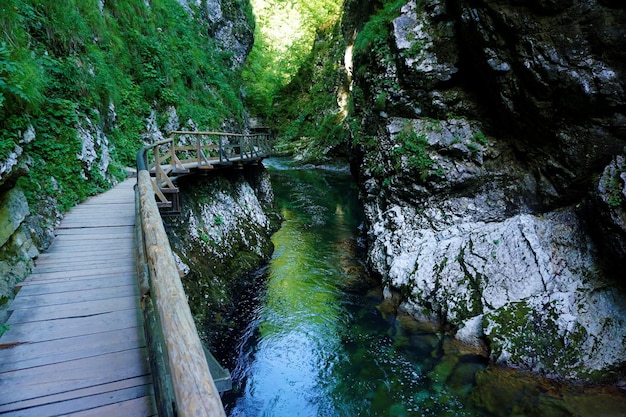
<point>488,139</point>
<point>83,86</point>
<point>220,239</point>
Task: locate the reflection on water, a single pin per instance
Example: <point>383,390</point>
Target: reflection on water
<point>317,346</point>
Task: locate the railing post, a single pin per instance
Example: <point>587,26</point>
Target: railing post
<point>157,162</point>
<point>221,148</point>
<point>198,151</point>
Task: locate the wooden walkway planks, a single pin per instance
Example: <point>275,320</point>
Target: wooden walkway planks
<point>75,344</point>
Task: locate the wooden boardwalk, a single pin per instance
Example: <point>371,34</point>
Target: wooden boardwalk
<point>75,343</point>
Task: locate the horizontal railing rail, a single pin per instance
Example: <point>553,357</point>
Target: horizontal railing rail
<point>183,383</point>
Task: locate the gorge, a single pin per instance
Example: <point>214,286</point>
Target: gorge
<point>487,139</point>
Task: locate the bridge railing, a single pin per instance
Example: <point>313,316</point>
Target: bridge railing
<point>182,380</point>
<point>190,150</point>
<point>218,148</point>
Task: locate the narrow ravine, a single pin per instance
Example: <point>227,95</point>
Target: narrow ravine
<point>317,345</point>
<point>320,343</point>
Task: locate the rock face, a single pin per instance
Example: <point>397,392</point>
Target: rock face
<point>223,233</point>
<point>490,157</point>
<point>229,24</point>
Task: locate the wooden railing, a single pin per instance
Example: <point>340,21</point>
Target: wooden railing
<point>182,381</point>
<point>186,151</point>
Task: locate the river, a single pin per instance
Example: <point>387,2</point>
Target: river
<point>317,343</point>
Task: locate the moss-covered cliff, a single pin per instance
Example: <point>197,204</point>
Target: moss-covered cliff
<point>85,83</point>
<point>222,234</point>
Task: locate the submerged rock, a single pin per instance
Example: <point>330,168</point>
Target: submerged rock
<point>504,392</point>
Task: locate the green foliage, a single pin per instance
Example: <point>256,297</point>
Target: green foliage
<point>373,36</point>
<point>204,237</point>
<point>305,114</point>
<point>479,137</point>
<point>62,61</point>
<point>414,148</point>
<point>615,191</point>
<point>284,37</point>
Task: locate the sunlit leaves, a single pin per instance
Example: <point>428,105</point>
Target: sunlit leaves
<point>284,36</point>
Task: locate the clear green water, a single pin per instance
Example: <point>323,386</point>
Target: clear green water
<point>318,346</point>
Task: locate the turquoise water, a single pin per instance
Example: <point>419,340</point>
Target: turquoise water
<point>317,345</point>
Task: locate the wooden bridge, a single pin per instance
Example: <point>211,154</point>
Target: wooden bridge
<point>187,152</point>
<point>102,326</point>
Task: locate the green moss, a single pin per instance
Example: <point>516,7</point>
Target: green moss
<point>530,335</point>
<point>414,148</point>
<point>373,36</point>
<point>615,191</point>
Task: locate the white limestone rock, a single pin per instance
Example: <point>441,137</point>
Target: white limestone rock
<point>506,281</point>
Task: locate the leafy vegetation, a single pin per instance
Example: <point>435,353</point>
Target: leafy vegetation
<point>306,114</point>
<point>62,62</point>
<point>284,37</point>
<point>373,36</point>
<point>414,149</point>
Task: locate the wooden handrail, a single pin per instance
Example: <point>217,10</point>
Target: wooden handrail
<point>195,393</point>
<point>180,368</point>
<point>200,133</point>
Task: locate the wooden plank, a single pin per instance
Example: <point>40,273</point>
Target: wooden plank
<point>70,297</point>
<point>92,245</point>
<point>96,222</point>
<point>76,285</point>
<point>90,205</point>
<point>68,249</point>
<point>135,401</point>
<point>105,239</point>
<point>78,253</point>
<point>80,273</point>
<point>30,355</point>
<point>112,230</point>
<point>113,258</point>
<point>80,309</point>
<point>83,264</point>
<point>63,328</point>
<point>112,255</point>
<point>85,394</point>
<point>31,383</point>
<point>105,210</point>
<point>77,279</point>
<point>138,407</point>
